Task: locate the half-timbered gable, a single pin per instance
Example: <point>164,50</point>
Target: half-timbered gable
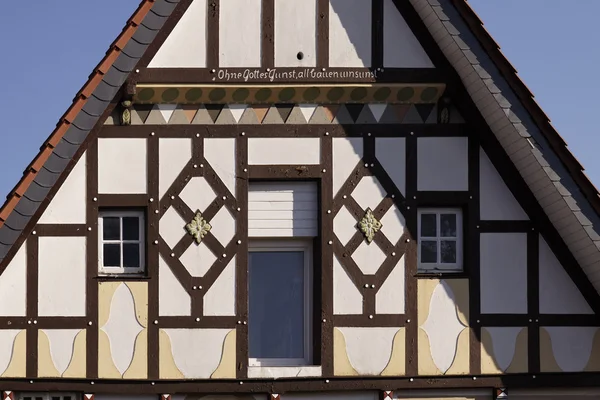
<point>297,199</point>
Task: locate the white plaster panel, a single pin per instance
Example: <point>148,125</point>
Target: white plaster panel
<point>13,286</point>
<point>171,227</point>
<point>240,33</point>
<point>344,225</point>
<point>572,346</point>
<point>220,154</point>
<point>369,349</point>
<point>122,166</point>
<point>369,193</point>
<point>392,224</point>
<point>198,194</point>
<point>186,45</point>
<point>173,298</point>
<point>401,48</point>
<point>503,267</point>
<point>295,31</point>
<point>347,153</point>
<point>61,280</point>
<point>347,299</point>
<point>7,340</point>
<point>496,200</point>
<point>284,151</point>
<point>350,33</point>
<point>442,163</point>
<point>219,300</point>
<point>223,226</point>
<point>197,352</point>
<point>122,327</point>
<point>558,293</point>
<point>68,205</point>
<point>61,346</point>
<point>283,209</point>
<point>390,297</point>
<point>348,395</point>
<point>173,155</point>
<point>504,340</point>
<point>391,154</point>
<point>443,326</point>
<point>368,257</point>
<point>197,259</point>
<point>284,372</point>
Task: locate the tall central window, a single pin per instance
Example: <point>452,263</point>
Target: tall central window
<point>279,274</point>
<point>282,225</point>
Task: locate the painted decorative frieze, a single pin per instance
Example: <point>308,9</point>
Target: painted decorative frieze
<point>253,114</point>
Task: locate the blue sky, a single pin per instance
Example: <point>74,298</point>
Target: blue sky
<point>49,50</point>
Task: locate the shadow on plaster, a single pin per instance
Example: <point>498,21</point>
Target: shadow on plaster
<point>569,349</point>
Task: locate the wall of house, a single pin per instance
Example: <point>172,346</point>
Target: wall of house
<point>189,310</point>
<point>295,31</point>
<point>514,306</point>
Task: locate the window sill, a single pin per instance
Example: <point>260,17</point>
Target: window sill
<point>445,275</point>
<point>121,277</point>
<point>284,372</point>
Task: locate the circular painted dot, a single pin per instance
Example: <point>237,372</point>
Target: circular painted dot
<point>193,94</point>
<point>311,93</point>
<point>240,94</point>
<point>429,94</point>
<point>217,94</point>
<point>263,94</point>
<point>170,94</point>
<point>405,94</point>
<point>146,94</point>
<point>335,94</point>
<point>287,94</point>
<point>358,94</point>
<point>382,94</point>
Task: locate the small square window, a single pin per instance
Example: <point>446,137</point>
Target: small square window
<point>440,240</point>
<point>280,306</point>
<point>121,247</point>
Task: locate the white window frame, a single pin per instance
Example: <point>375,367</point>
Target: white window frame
<point>284,245</point>
<point>142,243</point>
<point>456,267</point>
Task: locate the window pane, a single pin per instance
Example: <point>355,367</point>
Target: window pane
<point>448,250</point>
<point>112,255</point>
<point>111,228</point>
<point>276,304</point>
<point>131,255</point>
<point>428,225</point>
<point>448,225</point>
<point>428,251</point>
<point>131,228</point>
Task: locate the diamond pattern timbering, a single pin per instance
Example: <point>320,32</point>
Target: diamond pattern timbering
<point>199,191</point>
<point>202,114</point>
<point>370,265</point>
